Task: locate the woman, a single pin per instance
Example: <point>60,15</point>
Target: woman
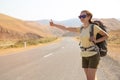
<point>90,59</point>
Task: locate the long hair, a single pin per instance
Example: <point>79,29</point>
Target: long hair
<point>100,24</point>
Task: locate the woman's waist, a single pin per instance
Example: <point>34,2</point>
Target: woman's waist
<point>87,46</point>
<point>90,48</point>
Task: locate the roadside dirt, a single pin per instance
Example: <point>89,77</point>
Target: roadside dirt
<point>109,68</point>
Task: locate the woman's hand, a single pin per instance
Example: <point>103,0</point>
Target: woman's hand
<point>93,39</point>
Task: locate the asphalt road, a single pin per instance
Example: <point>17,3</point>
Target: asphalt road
<point>57,61</point>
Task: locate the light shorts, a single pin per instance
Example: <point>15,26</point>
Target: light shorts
<point>91,62</point>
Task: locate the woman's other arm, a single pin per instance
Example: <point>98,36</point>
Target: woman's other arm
<point>105,36</point>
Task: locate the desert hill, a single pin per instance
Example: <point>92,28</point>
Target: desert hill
<point>12,28</point>
<point>46,30</point>
<point>112,23</point>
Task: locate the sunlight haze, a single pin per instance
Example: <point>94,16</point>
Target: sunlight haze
<point>58,9</point>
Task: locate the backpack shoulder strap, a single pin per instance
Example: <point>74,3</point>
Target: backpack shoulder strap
<point>80,32</point>
<point>91,31</point>
<point>81,29</point>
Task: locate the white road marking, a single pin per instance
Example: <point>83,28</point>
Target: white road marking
<point>48,55</point>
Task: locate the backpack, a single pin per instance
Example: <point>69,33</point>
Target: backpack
<point>101,45</point>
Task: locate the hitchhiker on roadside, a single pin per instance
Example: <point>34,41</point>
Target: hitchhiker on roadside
<point>89,53</point>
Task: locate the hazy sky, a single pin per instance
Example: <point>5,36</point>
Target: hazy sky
<point>59,9</point>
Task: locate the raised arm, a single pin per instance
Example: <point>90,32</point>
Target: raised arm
<point>63,27</point>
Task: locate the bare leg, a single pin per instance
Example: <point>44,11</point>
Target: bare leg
<point>86,72</point>
<point>90,73</point>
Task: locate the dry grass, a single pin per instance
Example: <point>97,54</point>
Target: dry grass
<point>114,37</point>
<point>114,45</point>
<point>9,51</point>
<point>21,43</point>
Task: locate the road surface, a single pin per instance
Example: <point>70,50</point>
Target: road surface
<point>57,61</point>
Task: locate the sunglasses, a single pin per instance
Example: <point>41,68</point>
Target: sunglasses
<point>82,16</point>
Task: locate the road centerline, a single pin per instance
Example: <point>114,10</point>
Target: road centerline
<point>48,55</point>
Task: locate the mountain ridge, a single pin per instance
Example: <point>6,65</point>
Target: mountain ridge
<point>73,22</point>
<point>111,23</point>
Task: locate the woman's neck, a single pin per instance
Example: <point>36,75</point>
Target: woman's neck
<point>86,25</point>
